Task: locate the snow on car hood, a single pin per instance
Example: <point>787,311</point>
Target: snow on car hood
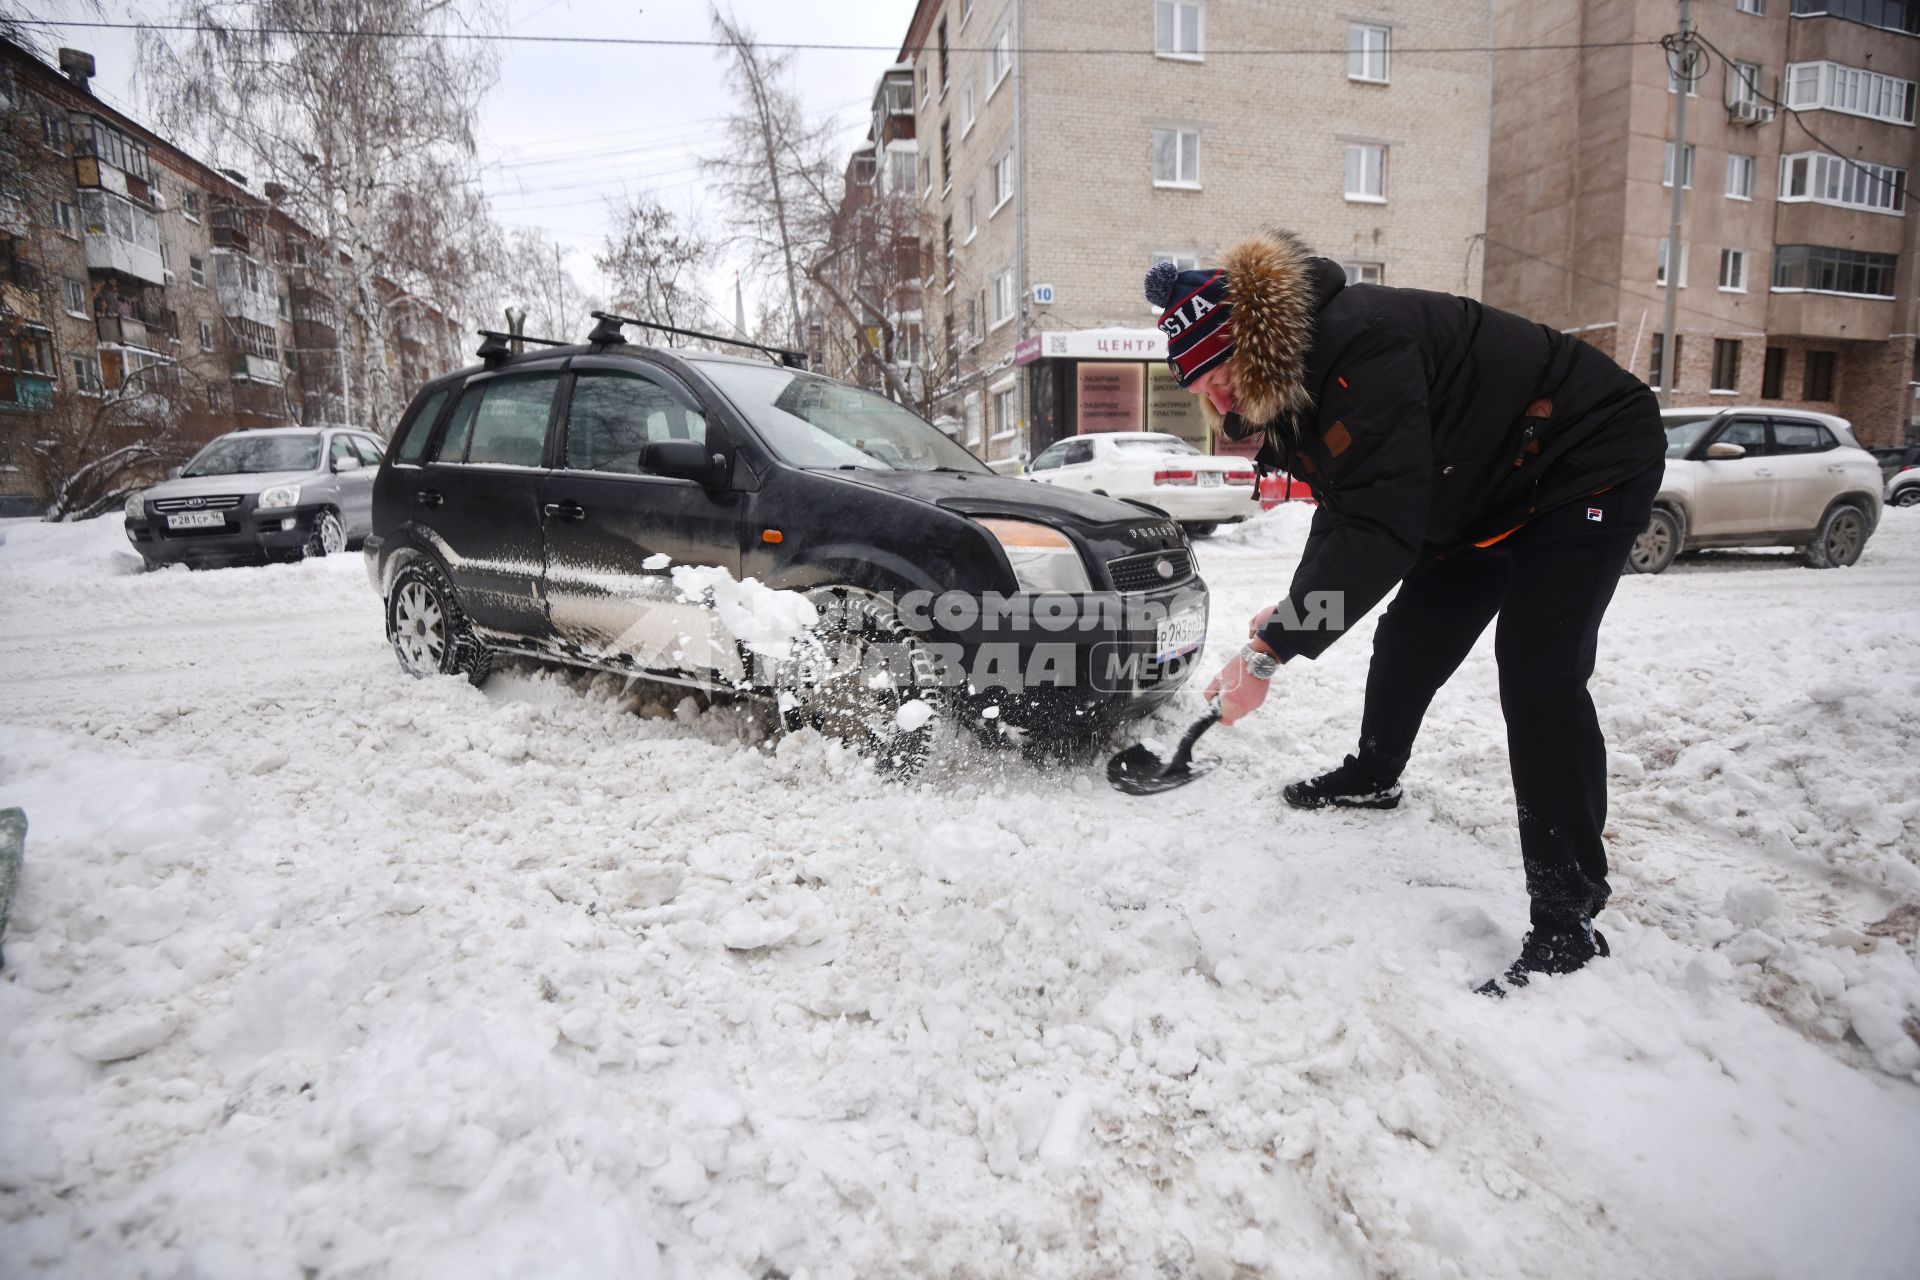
<point>973,493</point>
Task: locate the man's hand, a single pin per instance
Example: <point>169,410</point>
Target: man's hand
<point>1239,691</point>
<point>1260,620</point>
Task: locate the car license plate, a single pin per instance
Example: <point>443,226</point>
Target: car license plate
<point>196,520</point>
<point>1209,477</point>
<point>1180,634</point>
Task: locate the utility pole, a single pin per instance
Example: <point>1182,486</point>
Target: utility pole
<point>1681,58</point>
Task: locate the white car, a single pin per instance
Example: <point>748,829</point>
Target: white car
<point>1758,477</point>
<point>1200,491</point>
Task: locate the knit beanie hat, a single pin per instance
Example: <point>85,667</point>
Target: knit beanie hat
<point>1196,316</point>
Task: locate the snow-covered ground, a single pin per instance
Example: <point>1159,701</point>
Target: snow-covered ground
<point>320,970</point>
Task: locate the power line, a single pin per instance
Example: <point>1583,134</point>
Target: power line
<point>1742,326</point>
<point>486,37</point>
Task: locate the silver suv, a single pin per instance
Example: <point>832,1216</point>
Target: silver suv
<point>1747,477</point>
<point>249,495</point>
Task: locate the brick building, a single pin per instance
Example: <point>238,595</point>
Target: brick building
<point>1796,269</point>
<point>125,262</point>
<point>1053,171</point>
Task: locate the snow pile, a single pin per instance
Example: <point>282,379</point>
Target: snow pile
<point>318,965</point>
<point>766,621</point>
<point>1280,531</point>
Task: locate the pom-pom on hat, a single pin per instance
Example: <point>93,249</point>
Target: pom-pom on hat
<point>1196,315</point>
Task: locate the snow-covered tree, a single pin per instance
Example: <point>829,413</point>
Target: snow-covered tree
<point>652,262</point>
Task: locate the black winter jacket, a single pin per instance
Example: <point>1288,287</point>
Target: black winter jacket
<point>1425,424</point>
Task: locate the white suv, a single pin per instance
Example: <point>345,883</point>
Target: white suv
<point>1746,477</point>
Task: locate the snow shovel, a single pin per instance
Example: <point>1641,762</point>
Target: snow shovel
<point>13,843</point>
<point>1139,772</point>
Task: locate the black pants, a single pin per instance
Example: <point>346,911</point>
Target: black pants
<point>1550,583</point>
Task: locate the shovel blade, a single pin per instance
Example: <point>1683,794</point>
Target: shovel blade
<point>1139,772</point>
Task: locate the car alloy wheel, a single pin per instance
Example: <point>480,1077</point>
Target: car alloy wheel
<point>1657,544</point>
<point>420,629</point>
<point>1908,497</point>
<point>328,537</point>
<point>1841,539</point>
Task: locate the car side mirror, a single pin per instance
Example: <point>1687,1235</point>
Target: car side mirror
<point>173,473</point>
<point>348,463</point>
<point>1723,450</point>
<point>685,460</point>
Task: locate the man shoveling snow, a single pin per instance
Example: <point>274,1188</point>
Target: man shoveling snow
<point>1486,465</point>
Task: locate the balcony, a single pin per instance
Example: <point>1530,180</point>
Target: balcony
<point>245,289</point>
<point>107,253</point>
<point>24,389</point>
<point>251,368</point>
<point>127,331</point>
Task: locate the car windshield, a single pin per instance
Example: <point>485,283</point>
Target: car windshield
<point>1684,433</point>
<point>1154,444</point>
<point>250,455</point>
<point>816,422</point>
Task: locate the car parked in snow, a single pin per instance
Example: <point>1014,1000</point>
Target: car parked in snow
<point>1902,469</point>
<point>601,504</point>
<point>280,493</point>
<point>1154,469</point>
<point>1758,477</point>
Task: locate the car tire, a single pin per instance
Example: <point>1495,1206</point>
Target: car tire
<point>1202,529</point>
<point>1658,543</point>
<point>1841,538</point>
<point>827,682</point>
<point>328,536</point>
<point>1907,497</point>
<point>429,629</point>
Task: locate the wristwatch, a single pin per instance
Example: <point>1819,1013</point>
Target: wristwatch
<point>1259,663</point>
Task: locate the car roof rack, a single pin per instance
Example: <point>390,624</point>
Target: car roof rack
<point>496,346</point>
<point>607,333</point>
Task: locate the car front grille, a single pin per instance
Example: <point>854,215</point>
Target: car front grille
<point>1144,572</point>
<point>226,502</point>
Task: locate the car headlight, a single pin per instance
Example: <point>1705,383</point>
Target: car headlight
<point>136,506</point>
<point>285,495</point>
<point>1042,557</point>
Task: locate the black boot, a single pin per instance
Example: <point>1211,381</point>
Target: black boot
<point>1549,951</point>
<point>1350,786</point>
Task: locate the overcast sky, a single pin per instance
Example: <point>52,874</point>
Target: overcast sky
<point>568,126</point>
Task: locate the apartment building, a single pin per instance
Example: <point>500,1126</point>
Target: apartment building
<point>126,263</point>
<point>1795,268</point>
<point>1062,146</point>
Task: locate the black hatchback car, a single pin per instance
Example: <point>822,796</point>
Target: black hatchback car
<point>636,510</point>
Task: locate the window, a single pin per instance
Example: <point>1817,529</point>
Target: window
<point>66,219</point>
<point>1733,270</point>
<point>1749,433</point>
<point>966,11</point>
<point>966,108</point>
<point>1364,272</point>
<point>1660,273</point>
<point>946,241</point>
<point>1756,7</point>
<point>972,330</point>
<point>340,450</point>
<point>1666,170</point>
<point>973,216</point>
<point>76,296</point>
<point>1003,413</point>
<point>414,432</point>
<point>1176,30</point>
<point>941,40</point>
<point>502,421</point>
<point>1743,86</point>
<point>1817,384</point>
<point>1693,82</point>
<point>946,154</point>
<point>190,205</point>
<point>1050,459</point>
<point>1820,269</point>
<point>1726,365</point>
<point>1002,181</point>
<point>368,448</point>
<point>1833,86</point>
<point>1367,173</point>
<point>1888,15</point>
<point>1002,56</point>
<point>1002,298</point>
<point>1790,435</point>
<point>216,400</point>
<point>900,170</point>
<point>613,417</point>
<point>1739,177</point>
<point>206,336</point>
<point>1176,158</point>
<point>980,309</point>
<point>1659,352</point>
<point>1773,374</point>
<point>926,175</point>
<point>53,130</point>
<point>1367,52</point>
<point>1852,184</point>
<point>197,271</point>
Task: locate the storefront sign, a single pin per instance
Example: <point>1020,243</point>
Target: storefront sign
<point>1110,397</point>
<point>1172,410</point>
<point>1104,344</point>
<point>1027,350</point>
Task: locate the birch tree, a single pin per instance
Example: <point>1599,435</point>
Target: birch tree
<point>363,110</point>
<point>652,262</point>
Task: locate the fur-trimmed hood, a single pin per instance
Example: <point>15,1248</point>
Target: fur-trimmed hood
<point>1276,287</point>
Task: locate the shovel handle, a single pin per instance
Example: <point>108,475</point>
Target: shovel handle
<point>1184,752</point>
